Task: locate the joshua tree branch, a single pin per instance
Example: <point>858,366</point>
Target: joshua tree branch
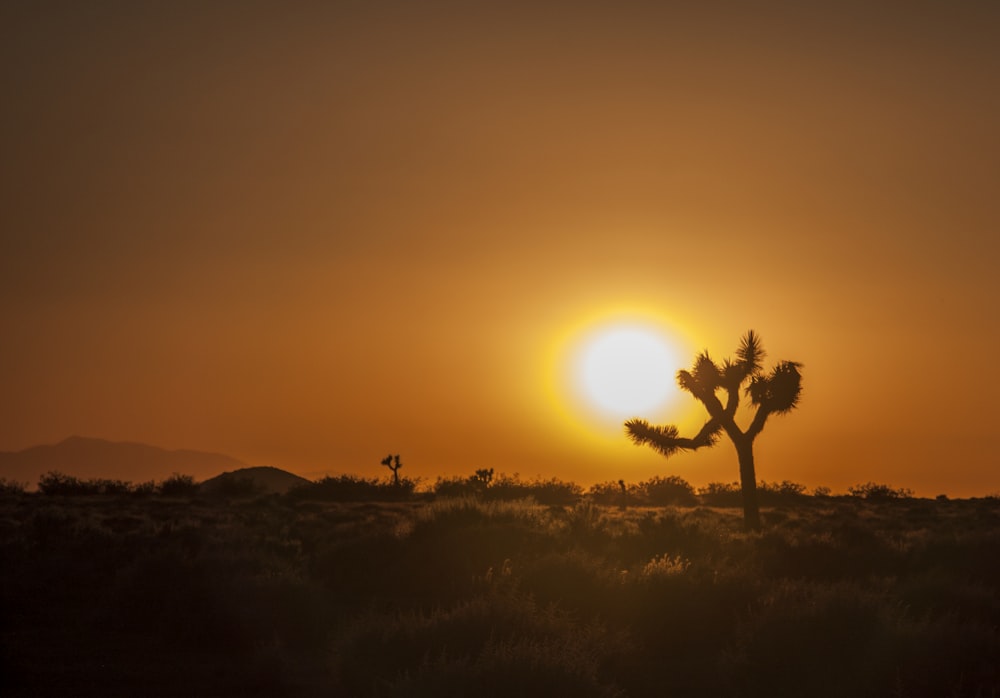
<point>713,406</point>
<point>757,425</point>
<point>666,439</point>
<point>733,401</point>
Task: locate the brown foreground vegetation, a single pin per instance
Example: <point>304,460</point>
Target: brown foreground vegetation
<point>296,596</point>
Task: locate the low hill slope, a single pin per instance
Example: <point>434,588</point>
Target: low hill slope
<point>256,480</point>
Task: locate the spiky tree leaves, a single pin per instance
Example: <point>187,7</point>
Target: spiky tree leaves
<point>779,391</point>
<point>751,353</point>
<point>667,439</point>
<point>776,392</point>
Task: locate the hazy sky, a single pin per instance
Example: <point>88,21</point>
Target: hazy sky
<point>309,234</point>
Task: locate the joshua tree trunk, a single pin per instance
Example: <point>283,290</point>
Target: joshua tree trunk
<point>748,484</point>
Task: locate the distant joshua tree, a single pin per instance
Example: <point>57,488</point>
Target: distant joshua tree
<point>774,393</point>
<point>483,477</point>
<point>393,464</point>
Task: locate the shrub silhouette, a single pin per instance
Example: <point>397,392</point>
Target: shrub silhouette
<point>11,486</point>
<point>668,490</point>
<point>347,488</point>
<point>871,490</point>
<point>720,494</point>
<point>503,487</point>
<point>56,483</point>
<point>178,485</point>
<point>774,393</point>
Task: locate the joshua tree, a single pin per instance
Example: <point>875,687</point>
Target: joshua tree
<point>483,476</point>
<point>776,392</point>
<point>393,464</point>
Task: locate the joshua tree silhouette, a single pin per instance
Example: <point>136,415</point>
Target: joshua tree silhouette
<point>393,464</point>
<point>774,393</point>
<point>483,477</point>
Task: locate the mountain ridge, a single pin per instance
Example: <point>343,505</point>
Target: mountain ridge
<point>88,457</point>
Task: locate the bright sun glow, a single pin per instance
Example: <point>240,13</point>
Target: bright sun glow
<point>613,363</point>
<point>627,370</point>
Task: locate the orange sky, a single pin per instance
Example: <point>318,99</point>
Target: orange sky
<point>310,236</point>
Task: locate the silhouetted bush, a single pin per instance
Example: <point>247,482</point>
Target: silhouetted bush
<point>784,492</point>
<point>457,487</point>
<point>145,489</point>
<point>178,486</point>
<point>498,645</point>
<point>348,488</point>
<point>56,483</point>
<point>505,487</point>
<point>549,492</point>
<point>670,490</point>
<point>871,490</point>
<point>611,494</point>
<point>721,494</point>
<point>9,487</point>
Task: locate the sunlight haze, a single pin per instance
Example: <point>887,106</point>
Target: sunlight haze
<point>305,236</point>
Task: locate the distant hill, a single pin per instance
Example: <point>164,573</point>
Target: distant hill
<point>261,479</point>
<point>96,458</point>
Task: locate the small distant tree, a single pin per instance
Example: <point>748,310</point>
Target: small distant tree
<point>393,464</point>
<point>483,477</point>
<point>776,392</point>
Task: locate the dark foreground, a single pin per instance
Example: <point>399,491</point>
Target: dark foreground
<point>837,597</point>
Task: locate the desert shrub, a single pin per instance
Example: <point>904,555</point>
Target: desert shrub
<point>178,486</point>
<point>508,487</point>
<point>815,635</point>
<point>721,494</point>
<point>348,488</point>
<point>8,487</point>
<point>113,487</point>
<point>822,491</point>
<point>548,492</point>
<point>145,489</point>
<point>611,493</point>
<point>56,483</point>
<point>454,542</point>
<point>457,487</point>
<point>579,581</point>
<point>490,645</point>
<point>847,549</point>
<point>670,490</point>
<point>520,667</point>
<point>871,490</point>
<point>837,639</point>
<point>784,492</point>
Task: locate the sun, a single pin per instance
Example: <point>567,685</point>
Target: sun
<point>625,369</point>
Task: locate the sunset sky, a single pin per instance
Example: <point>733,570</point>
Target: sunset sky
<point>310,234</point>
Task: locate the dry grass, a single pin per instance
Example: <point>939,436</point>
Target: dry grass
<point>108,595</point>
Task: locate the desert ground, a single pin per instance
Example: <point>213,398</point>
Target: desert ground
<point>340,592</point>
